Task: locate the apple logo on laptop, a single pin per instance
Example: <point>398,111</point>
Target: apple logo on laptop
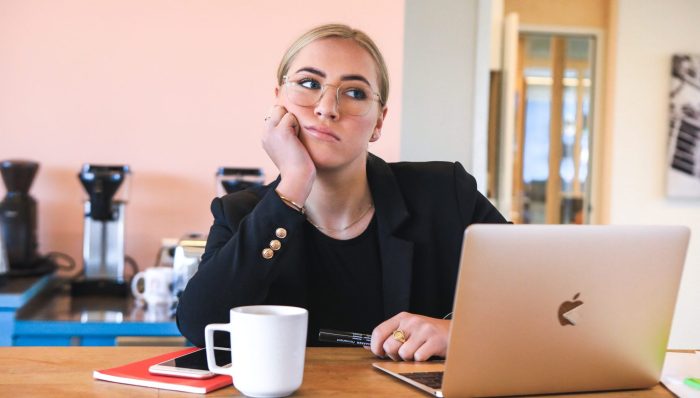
<point>567,311</point>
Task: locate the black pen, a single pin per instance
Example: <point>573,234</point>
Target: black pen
<point>338,336</point>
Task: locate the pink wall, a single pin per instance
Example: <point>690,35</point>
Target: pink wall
<point>175,89</point>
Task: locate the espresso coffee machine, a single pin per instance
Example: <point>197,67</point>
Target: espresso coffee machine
<point>18,221</point>
<point>103,233</point>
<point>231,179</point>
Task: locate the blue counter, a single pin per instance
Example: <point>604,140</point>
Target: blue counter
<point>14,294</point>
<point>55,318</point>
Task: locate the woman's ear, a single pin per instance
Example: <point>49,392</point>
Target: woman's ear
<point>378,126</point>
<point>277,91</point>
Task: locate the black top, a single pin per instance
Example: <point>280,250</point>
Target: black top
<point>421,212</point>
<point>345,283</point>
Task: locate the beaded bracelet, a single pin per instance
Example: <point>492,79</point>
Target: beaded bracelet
<point>291,203</point>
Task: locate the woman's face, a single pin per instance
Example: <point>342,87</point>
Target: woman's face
<point>333,133</point>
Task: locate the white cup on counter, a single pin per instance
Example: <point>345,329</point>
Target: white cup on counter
<point>268,345</point>
<point>157,286</point>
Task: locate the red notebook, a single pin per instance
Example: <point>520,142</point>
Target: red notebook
<point>136,373</point>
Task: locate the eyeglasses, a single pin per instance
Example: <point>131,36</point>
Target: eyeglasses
<point>353,98</point>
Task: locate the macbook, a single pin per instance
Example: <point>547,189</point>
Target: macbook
<point>557,308</point>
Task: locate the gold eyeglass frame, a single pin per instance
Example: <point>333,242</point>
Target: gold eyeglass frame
<point>286,82</point>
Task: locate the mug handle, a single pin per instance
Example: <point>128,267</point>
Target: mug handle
<point>134,286</point>
<point>209,344</point>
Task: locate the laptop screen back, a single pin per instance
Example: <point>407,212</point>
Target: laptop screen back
<point>555,308</point>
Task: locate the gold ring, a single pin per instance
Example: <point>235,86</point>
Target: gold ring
<point>399,335</point>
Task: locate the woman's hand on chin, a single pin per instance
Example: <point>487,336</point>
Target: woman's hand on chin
<point>281,142</point>
<point>423,337</point>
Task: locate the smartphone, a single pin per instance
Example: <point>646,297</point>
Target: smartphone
<point>192,365</point>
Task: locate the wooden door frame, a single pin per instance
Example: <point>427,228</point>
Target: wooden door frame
<point>593,196</point>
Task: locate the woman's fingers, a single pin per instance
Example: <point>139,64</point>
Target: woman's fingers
<point>289,121</point>
<point>431,347</point>
<point>391,348</point>
<point>279,117</point>
<point>384,331</point>
<point>408,349</point>
<point>274,115</point>
<point>423,337</point>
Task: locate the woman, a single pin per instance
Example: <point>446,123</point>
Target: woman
<point>362,244</point>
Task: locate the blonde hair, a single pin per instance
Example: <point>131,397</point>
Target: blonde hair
<point>341,32</point>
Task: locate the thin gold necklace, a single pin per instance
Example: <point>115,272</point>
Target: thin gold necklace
<point>371,205</point>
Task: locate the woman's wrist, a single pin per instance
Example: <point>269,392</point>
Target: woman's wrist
<point>289,202</point>
<point>295,189</point>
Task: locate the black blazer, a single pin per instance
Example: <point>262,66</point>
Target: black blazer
<point>422,210</point>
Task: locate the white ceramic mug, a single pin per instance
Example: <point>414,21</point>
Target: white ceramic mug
<point>268,344</point>
<point>157,286</point>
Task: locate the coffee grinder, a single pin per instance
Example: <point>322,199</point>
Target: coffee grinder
<point>18,221</point>
<point>103,234</point>
<point>230,179</point>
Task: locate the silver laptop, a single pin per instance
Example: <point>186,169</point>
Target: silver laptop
<point>554,308</point>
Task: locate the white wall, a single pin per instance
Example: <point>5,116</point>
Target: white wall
<point>445,83</point>
<point>649,33</point>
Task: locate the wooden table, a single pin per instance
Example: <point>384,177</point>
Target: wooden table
<point>67,372</point>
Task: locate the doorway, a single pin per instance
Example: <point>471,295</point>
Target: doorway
<point>552,136</point>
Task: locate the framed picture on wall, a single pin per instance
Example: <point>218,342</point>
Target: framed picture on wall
<point>683,177</point>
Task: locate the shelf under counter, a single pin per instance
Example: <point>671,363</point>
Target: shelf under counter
<point>55,318</point>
